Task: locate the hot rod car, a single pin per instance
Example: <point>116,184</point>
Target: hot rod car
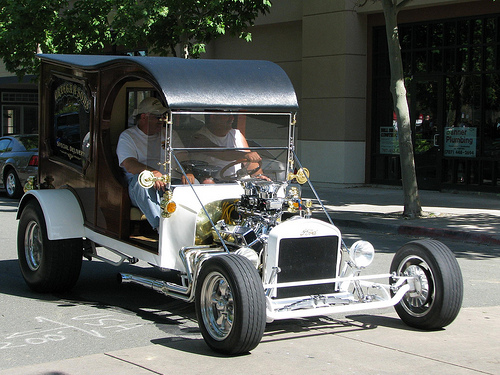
<point>247,248</point>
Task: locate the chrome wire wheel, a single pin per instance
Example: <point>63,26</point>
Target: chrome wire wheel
<point>421,296</point>
<point>217,306</point>
<point>33,245</point>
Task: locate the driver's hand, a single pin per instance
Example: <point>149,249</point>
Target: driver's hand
<point>252,157</point>
<point>159,185</point>
<point>261,177</point>
<point>190,177</point>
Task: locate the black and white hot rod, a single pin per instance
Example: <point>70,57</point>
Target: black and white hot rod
<point>241,238</point>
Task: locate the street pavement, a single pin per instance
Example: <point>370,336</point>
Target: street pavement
<point>358,343</point>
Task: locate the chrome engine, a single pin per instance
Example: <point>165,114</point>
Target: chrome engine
<point>262,206</point>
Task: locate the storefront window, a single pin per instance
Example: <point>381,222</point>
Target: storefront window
<point>453,83</point>
<point>492,116</point>
<point>19,119</point>
<point>463,116</point>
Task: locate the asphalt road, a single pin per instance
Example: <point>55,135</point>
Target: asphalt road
<point>100,315</point>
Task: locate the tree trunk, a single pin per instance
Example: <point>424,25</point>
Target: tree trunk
<point>412,207</point>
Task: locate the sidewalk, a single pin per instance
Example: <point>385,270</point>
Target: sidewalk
<point>470,217</point>
<point>355,344</point>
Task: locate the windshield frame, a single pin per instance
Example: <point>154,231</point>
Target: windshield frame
<point>171,160</point>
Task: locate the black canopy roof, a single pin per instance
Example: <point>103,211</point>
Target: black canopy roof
<point>201,84</point>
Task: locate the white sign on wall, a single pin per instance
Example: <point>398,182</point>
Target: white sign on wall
<point>460,142</point>
<point>389,143</point>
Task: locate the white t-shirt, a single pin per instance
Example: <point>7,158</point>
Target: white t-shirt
<point>233,139</point>
<point>147,149</point>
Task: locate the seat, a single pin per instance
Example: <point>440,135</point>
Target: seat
<point>136,214</point>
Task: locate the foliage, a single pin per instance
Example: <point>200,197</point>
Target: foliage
<point>29,142</point>
<point>93,27</point>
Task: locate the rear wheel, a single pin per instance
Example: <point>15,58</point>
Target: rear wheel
<point>230,304</point>
<point>436,293</point>
<point>12,184</point>
<point>46,266</point>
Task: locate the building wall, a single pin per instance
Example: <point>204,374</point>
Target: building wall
<point>3,71</point>
<point>333,140</point>
<point>322,47</point>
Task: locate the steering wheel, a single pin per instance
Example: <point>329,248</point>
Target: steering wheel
<point>241,172</point>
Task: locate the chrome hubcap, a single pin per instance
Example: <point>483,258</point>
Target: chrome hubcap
<point>33,245</point>
<point>10,184</point>
<point>420,298</point>
<point>419,295</point>
<point>217,306</point>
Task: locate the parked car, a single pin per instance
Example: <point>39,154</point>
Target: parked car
<point>248,248</point>
<point>18,161</point>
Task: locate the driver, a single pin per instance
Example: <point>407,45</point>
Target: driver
<point>219,132</point>
<point>139,148</point>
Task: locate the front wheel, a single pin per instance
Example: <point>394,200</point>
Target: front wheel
<point>47,266</point>
<point>230,304</point>
<point>436,292</point>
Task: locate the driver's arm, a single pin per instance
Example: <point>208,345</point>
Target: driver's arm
<point>132,165</point>
<point>253,157</point>
<point>199,140</point>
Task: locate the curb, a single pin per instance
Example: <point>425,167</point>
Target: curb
<point>479,238</point>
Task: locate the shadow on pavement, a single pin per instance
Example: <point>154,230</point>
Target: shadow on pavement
<point>188,345</point>
<point>381,321</point>
<point>98,287</point>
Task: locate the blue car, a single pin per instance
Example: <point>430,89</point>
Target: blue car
<point>18,161</point>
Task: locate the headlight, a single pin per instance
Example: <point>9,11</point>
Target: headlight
<point>361,253</point>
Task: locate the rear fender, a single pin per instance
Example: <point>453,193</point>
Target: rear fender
<point>61,210</point>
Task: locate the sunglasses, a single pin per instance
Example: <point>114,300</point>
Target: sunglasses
<point>159,117</point>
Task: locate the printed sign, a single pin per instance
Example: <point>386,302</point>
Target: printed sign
<point>389,143</point>
<point>74,92</point>
<point>71,137</point>
<point>460,142</point>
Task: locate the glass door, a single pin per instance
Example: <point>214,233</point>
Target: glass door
<point>426,120</point>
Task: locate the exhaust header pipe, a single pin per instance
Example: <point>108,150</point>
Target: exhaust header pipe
<point>161,286</point>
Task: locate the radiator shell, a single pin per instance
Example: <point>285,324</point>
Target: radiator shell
<point>303,249</point>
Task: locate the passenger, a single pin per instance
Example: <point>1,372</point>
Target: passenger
<point>140,148</point>
<point>219,132</point>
